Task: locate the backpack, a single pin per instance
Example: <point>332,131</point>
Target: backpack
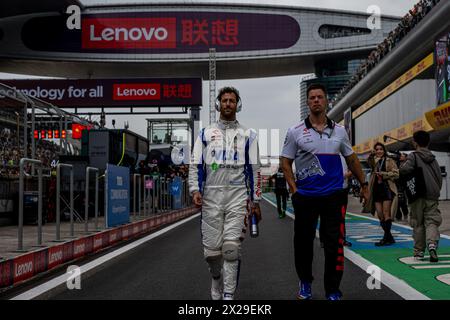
<point>414,183</point>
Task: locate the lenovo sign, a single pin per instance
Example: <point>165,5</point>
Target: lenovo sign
<point>164,92</point>
<point>109,33</point>
<point>137,91</point>
<point>164,32</point>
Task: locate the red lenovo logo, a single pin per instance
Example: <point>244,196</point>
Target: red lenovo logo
<point>137,91</point>
<point>126,33</point>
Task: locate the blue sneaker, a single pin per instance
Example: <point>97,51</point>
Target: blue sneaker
<point>334,296</point>
<point>304,292</point>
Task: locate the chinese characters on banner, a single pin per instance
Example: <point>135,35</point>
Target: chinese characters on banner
<point>216,32</point>
<point>182,91</point>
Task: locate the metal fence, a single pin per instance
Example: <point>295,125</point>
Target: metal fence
<point>149,196</point>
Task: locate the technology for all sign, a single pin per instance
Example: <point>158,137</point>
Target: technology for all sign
<point>110,92</point>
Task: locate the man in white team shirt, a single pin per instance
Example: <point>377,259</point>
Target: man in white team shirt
<point>317,188</point>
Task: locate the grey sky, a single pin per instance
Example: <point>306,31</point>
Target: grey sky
<point>268,103</point>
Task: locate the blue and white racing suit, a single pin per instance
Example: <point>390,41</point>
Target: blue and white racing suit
<point>225,168</point>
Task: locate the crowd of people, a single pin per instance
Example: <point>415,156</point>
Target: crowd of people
<point>11,151</point>
<point>166,171</point>
<point>408,22</point>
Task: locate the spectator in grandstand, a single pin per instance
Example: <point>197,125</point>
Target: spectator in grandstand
<point>383,190</point>
<point>409,21</point>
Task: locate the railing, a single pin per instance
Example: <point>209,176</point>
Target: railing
<point>21,191</point>
<point>150,195</point>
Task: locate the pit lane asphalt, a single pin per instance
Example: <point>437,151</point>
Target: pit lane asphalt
<point>171,267</point>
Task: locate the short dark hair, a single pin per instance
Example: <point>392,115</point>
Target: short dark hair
<point>316,86</point>
<point>224,90</point>
<point>422,138</point>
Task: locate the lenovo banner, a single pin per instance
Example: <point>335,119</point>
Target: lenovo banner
<point>110,93</point>
<point>163,32</point>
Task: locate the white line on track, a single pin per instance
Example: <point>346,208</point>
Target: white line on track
<point>41,289</point>
<point>395,284</point>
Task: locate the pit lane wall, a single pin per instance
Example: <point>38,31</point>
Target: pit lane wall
<point>25,267</point>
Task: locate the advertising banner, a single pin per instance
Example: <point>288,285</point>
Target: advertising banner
<point>117,195</point>
<point>163,32</point>
<point>404,79</point>
<point>439,118</point>
<point>137,92</point>
<point>175,191</point>
<point>442,69</point>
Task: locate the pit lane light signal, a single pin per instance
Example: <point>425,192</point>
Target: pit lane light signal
<point>76,130</point>
<point>59,134</point>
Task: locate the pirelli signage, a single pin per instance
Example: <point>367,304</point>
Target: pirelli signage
<point>138,92</point>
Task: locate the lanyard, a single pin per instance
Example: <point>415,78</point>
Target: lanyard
<point>380,166</point>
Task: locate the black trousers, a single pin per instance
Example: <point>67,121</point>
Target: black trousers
<point>281,195</point>
<point>331,210</point>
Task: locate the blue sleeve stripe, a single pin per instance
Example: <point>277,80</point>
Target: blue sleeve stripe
<point>201,175</point>
<point>249,170</point>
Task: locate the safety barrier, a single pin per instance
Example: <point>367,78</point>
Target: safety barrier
<point>151,196</point>
<point>58,200</point>
<point>134,194</point>
<point>86,203</point>
<point>21,191</point>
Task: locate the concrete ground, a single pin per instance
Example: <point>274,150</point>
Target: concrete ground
<point>9,234</point>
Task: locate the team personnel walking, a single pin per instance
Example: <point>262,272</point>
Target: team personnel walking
<point>318,190</point>
<point>281,192</point>
<point>224,179</point>
<point>425,215</point>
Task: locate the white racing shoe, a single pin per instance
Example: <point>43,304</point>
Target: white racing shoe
<point>228,296</point>
<point>217,288</point>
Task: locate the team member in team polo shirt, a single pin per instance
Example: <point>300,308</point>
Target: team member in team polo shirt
<point>318,190</point>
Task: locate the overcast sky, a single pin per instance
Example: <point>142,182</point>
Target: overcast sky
<point>268,103</point>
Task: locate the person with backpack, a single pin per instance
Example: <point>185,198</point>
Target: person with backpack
<point>425,215</point>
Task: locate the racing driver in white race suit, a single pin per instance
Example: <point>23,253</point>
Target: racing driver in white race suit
<point>225,178</point>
